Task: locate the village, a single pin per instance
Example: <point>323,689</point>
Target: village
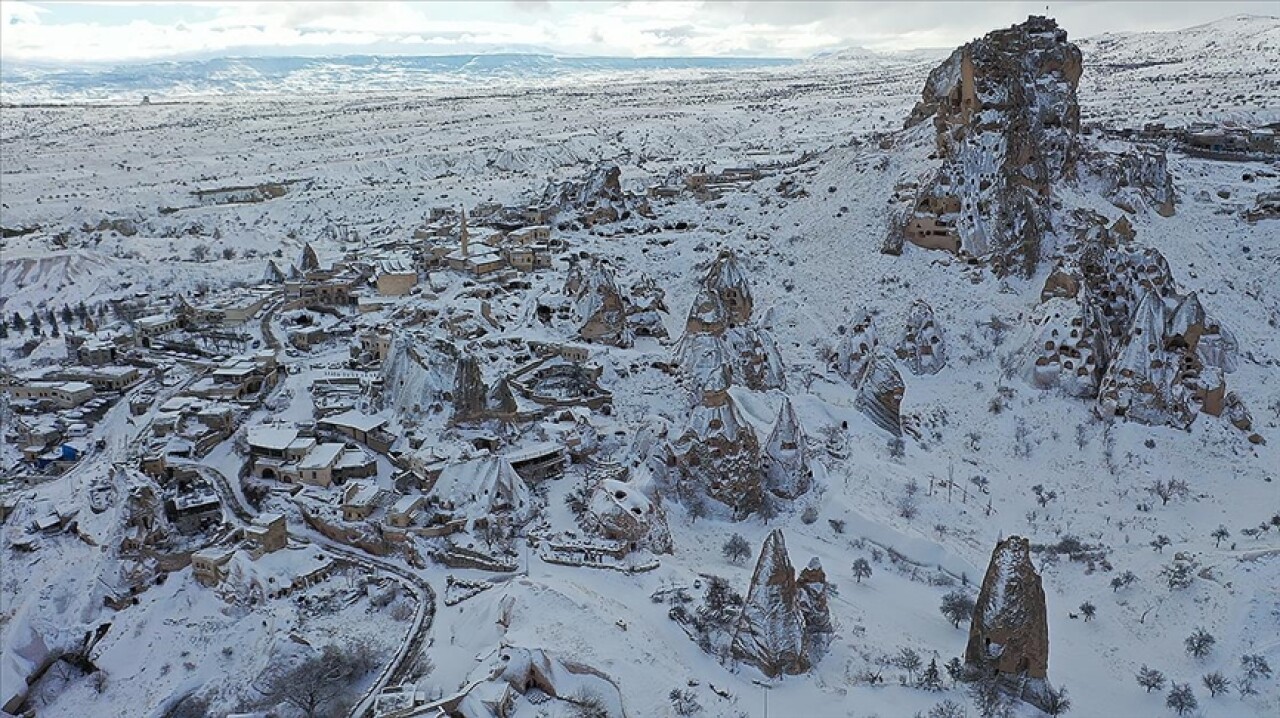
<point>408,401</point>
<point>930,387</point>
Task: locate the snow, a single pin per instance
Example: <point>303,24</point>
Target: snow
<point>377,160</point>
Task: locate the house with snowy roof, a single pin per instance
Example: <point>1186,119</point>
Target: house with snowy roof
<point>480,488</point>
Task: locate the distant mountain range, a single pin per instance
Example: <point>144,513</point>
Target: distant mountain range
<point>30,83</point>
<point>1240,44</point>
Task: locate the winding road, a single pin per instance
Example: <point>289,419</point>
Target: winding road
<point>415,638</point>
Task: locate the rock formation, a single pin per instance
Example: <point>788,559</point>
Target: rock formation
<point>417,376</point>
<point>595,199</point>
<point>648,304</point>
<point>1005,113</point>
<point>272,274</point>
<point>880,391</point>
<point>1135,179</point>
<point>855,348</point>
<point>724,299</point>
<point>771,631</point>
<point>470,395</point>
<point>1069,350</point>
<point>626,514</point>
<point>922,346</point>
<point>718,454</point>
<point>719,331</point>
<point>599,303</point>
<point>1112,325</point>
<point>814,594</point>
<point>309,261</point>
<point>1009,633</point>
<point>786,456</point>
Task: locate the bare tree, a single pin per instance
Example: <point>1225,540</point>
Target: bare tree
<point>1123,580</point>
<point>1200,643</point>
<point>1170,489</point>
<point>861,569</point>
<point>957,606</point>
<point>1216,683</point>
<point>946,709</point>
<point>736,549</point>
<point>316,685</point>
<point>1182,699</point>
<point>1056,701</point>
<point>1150,678</point>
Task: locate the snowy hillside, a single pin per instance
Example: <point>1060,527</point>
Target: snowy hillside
<point>788,440</point>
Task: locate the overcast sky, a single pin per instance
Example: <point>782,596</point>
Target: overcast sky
<point>124,31</point>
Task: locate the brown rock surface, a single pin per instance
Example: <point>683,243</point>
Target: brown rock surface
<point>1009,633</point>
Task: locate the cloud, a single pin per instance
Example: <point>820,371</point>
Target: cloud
<point>114,32</point>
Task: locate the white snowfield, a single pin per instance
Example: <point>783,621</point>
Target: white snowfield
<point>376,162</point>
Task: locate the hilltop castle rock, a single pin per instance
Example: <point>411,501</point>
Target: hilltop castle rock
<point>1009,633</point>
<point>1005,112</point>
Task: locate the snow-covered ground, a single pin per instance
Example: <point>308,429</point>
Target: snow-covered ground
<point>376,162</point>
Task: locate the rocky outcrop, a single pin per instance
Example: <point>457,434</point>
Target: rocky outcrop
<point>771,630</point>
<point>718,455</point>
<point>648,304</point>
<point>1069,348</point>
<point>719,332</point>
<point>856,346</point>
<point>724,300</point>
<point>597,198</point>
<point>559,684</point>
<point>880,391</point>
<point>1005,114</point>
<point>624,513</point>
<point>786,456</point>
<point>922,346</point>
<point>814,598</point>
<point>308,261</point>
<point>272,274</point>
<point>418,377</point>
<point>599,304</point>
<point>1136,179</point>
<point>1009,633</point>
<point>1112,325</point>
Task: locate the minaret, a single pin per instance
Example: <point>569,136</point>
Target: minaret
<point>463,238</point>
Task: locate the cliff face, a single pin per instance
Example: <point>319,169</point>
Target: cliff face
<point>1005,112</point>
<point>1009,633</point>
